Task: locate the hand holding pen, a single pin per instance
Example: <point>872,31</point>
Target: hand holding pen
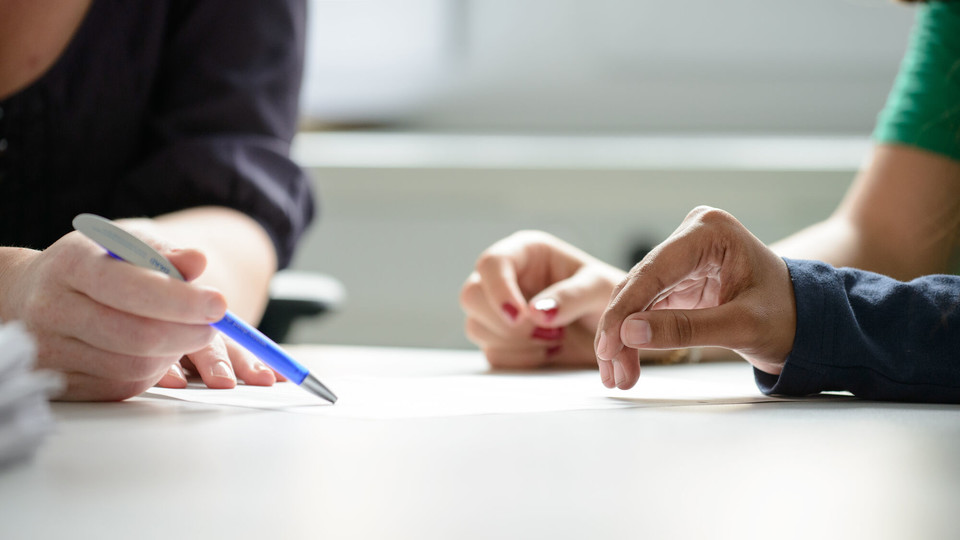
<point>122,245</point>
<point>114,330</point>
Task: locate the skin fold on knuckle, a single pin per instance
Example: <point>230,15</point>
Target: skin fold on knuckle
<point>681,330</point>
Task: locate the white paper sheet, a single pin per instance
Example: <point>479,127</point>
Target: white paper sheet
<point>373,397</point>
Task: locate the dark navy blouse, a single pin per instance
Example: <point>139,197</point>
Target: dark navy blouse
<point>157,106</point>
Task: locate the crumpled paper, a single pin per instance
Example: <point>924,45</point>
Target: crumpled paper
<point>25,418</point>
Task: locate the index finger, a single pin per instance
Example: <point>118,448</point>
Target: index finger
<point>666,266</point>
<point>146,293</point>
<point>497,270</point>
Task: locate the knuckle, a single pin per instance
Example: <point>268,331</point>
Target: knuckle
<point>84,268</point>
<point>471,292</point>
<point>700,211</point>
<point>204,336</point>
<point>714,216</point>
<point>487,261</point>
<point>682,329</point>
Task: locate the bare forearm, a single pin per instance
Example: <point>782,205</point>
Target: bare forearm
<point>833,241</point>
<point>901,218</point>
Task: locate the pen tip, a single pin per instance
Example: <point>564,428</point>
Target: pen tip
<point>314,385</point>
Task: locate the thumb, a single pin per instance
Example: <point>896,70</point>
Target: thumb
<point>567,300</point>
<point>190,262</point>
<point>682,328</point>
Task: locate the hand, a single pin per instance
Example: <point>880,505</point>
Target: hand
<point>711,283</point>
<point>112,328</point>
<point>222,362</point>
<point>219,365</point>
<point>534,301</point>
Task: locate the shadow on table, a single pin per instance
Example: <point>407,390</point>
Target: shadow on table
<point>156,407</point>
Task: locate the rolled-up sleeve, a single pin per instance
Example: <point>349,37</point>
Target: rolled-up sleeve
<point>222,116</point>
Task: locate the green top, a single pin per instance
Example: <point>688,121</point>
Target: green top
<point>923,108</point>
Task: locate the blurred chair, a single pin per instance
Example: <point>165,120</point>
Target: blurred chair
<point>297,295</point>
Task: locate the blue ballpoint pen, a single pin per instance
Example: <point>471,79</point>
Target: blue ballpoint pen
<point>124,246</point>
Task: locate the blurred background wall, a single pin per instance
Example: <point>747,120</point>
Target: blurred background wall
<point>433,128</point>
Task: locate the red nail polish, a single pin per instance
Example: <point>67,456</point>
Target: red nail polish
<point>547,306</point>
<point>548,334</point>
<point>552,351</point>
<point>510,310</point>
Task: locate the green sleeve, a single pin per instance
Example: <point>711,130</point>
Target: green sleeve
<point>923,108</point>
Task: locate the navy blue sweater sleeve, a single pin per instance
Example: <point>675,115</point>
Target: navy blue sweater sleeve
<point>871,335</point>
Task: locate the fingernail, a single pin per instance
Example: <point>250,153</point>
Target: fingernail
<point>636,332</point>
<point>618,372</point>
<point>260,366</point>
<point>215,309</point>
<point>222,369</point>
<point>602,347</point>
<point>552,351</point>
<point>510,310</point>
<point>549,334</point>
<point>605,375</point>
<point>177,372</point>
<point>547,306</point>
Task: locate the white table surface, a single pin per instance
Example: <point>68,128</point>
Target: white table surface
<point>152,468</point>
